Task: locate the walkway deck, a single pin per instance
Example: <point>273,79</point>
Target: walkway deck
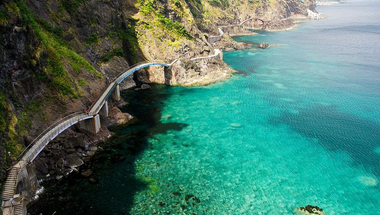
<point>12,205</point>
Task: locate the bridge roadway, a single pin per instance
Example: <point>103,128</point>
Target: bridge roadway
<point>12,203</point>
<point>217,53</point>
<point>254,19</point>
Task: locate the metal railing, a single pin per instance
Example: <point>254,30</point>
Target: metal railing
<point>45,131</point>
<point>95,108</point>
<point>36,146</point>
<point>217,53</point>
<point>39,143</point>
<point>53,131</point>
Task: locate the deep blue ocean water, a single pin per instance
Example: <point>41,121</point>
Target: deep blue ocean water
<point>299,125</point>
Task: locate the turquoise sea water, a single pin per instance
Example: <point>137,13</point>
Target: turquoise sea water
<point>299,125</point>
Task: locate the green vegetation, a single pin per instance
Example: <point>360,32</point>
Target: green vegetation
<point>58,52</point>
<point>93,22</point>
<point>116,52</point>
<point>24,122</point>
<point>176,27</point>
<point>57,31</point>
<point>92,39</point>
<point>219,3</point>
<point>82,82</point>
<point>126,36</point>
<point>147,8</point>
<point>12,8</point>
<point>71,5</point>
<point>196,8</point>
<point>3,18</point>
<point>177,3</point>
<point>8,121</point>
<point>3,122</point>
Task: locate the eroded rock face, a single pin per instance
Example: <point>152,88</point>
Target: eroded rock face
<point>116,117</point>
<point>309,210</point>
<point>73,160</point>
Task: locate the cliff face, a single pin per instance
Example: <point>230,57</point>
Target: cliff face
<point>57,55</point>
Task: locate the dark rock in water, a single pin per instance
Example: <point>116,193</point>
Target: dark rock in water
<point>93,180</point>
<point>161,204</point>
<point>309,210</point>
<point>73,160</point>
<point>87,173</point>
<point>117,117</point>
<point>187,197</point>
<point>176,193</point>
<point>117,158</point>
<point>263,45</point>
<point>183,207</point>
<point>145,86</point>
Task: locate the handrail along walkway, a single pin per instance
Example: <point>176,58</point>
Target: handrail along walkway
<point>11,206</point>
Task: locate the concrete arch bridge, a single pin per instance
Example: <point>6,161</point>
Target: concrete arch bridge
<point>250,23</point>
<point>12,199</point>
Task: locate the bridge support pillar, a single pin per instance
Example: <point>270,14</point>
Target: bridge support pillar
<point>168,74</point>
<point>92,125</point>
<point>221,55</point>
<point>104,109</point>
<point>116,93</point>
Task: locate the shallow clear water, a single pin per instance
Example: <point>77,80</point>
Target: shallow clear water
<point>300,126</point>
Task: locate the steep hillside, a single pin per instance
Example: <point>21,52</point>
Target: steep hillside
<point>57,55</point>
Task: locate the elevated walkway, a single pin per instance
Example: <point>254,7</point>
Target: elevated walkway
<point>12,199</point>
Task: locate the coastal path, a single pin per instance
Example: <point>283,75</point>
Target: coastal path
<point>12,200</point>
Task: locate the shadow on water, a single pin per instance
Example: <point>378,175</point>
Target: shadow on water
<point>338,131</point>
<point>112,185</point>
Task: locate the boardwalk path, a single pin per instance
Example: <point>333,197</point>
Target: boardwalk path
<point>12,203</point>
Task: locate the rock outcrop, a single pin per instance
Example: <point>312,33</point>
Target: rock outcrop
<point>263,45</point>
<point>56,57</point>
<point>309,210</point>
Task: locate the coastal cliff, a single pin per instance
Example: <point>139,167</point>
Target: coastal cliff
<point>56,57</point>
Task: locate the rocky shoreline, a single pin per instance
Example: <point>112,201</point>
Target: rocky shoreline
<point>74,148</point>
<point>93,46</point>
<point>96,158</point>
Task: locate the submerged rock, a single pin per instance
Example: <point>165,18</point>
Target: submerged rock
<point>236,125</point>
<point>161,204</point>
<point>117,158</point>
<point>309,210</point>
<point>93,180</point>
<point>145,86</point>
<point>87,173</point>
<point>176,193</point>
<point>368,181</point>
<point>187,197</point>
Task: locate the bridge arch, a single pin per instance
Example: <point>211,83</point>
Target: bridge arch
<point>263,25</point>
<point>12,203</point>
